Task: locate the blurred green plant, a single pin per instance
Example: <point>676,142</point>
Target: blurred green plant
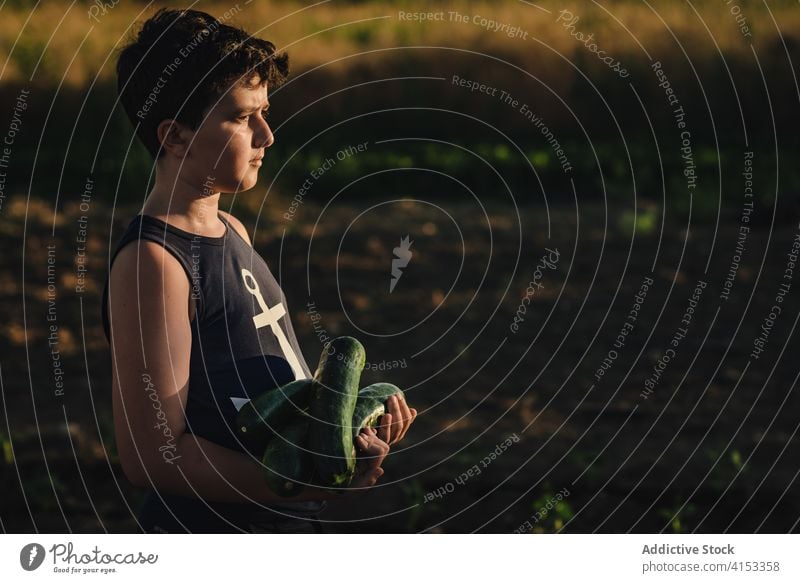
<point>8,451</point>
<point>362,34</point>
<point>554,518</point>
<point>540,159</point>
<point>644,220</point>
<point>413,492</point>
<point>678,514</point>
<point>726,467</point>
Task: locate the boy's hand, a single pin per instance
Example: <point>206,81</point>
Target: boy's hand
<point>370,451</point>
<point>392,426</point>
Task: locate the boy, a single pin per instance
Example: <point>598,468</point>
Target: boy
<point>196,322</point>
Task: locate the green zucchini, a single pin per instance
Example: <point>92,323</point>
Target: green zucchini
<point>330,436</point>
<point>288,464</point>
<point>371,404</point>
<point>258,419</point>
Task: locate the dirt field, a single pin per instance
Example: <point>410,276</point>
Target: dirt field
<point>515,430</point>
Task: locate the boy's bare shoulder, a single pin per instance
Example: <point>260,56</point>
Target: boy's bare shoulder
<point>237,224</point>
<point>150,261</point>
<point>146,270</point>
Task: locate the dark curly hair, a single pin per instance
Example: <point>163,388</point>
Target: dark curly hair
<point>181,62</point>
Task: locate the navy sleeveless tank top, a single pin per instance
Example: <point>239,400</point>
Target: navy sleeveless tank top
<point>243,344</point>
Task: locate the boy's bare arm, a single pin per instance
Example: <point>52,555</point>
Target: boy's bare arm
<point>212,472</point>
<point>217,470</point>
<point>151,344</point>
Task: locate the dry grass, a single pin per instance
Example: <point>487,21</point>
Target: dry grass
<point>77,49</point>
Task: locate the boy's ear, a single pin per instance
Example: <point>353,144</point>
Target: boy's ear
<point>174,137</point>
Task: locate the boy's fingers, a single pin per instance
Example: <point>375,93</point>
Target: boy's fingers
<point>384,428</point>
<point>364,440</point>
<point>403,418</point>
<point>407,417</point>
<point>384,452</point>
<point>397,416</point>
<point>373,450</point>
<point>413,415</point>
<point>378,447</point>
<point>375,475</point>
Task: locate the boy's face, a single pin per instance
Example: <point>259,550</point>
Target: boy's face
<point>231,135</point>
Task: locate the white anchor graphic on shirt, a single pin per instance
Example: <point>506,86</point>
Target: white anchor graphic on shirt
<point>269,316</point>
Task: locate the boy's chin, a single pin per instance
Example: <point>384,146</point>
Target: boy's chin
<point>247,182</point>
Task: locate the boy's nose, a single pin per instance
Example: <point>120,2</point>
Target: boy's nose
<point>266,137</point>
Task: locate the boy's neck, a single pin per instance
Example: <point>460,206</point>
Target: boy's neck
<point>191,207</point>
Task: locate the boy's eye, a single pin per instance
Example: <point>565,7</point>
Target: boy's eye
<point>264,114</point>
